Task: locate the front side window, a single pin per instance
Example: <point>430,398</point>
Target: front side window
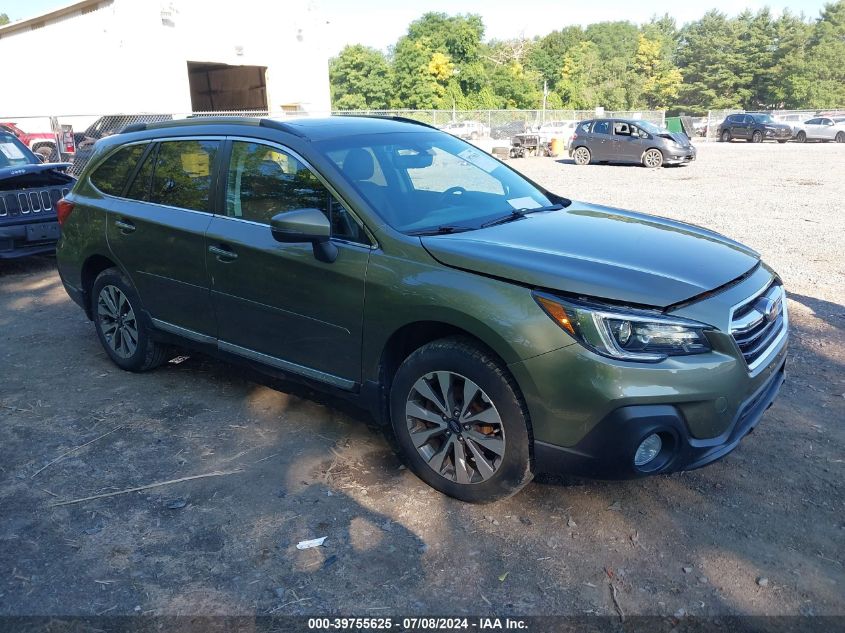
<point>110,177</point>
<point>423,181</point>
<point>263,181</point>
<point>620,128</point>
<point>182,174</point>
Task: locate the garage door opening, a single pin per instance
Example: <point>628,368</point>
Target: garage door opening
<point>220,87</point>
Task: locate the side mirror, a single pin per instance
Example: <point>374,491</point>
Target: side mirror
<point>305,225</point>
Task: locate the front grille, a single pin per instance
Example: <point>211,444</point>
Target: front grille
<point>30,201</point>
<point>758,323</point>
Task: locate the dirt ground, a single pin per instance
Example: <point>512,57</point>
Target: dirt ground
<point>760,532</point>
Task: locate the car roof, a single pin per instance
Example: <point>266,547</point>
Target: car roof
<point>314,129</point>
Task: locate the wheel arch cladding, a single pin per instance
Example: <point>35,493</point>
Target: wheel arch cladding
<point>93,266</point>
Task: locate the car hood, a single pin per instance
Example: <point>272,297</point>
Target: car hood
<point>680,139</point>
<point>600,252</point>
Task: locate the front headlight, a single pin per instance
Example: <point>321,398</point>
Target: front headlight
<point>626,334</point>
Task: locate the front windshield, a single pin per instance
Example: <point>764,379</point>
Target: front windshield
<point>421,181</point>
<point>13,153</point>
<point>651,128</point>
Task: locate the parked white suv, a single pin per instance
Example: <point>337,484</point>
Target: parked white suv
<point>467,129</point>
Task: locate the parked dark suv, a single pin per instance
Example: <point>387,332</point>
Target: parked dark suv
<point>754,128</point>
<point>29,193</point>
<point>493,327</point>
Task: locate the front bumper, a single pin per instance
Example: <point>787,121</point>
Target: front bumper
<point>28,238</point>
<point>680,157</point>
<point>607,451</point>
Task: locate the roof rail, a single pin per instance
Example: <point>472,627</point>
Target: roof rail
<point>275,124</point>
<point>133,127</point>
<point>392,117</point>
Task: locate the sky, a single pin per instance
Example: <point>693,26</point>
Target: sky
<point>379,23</point>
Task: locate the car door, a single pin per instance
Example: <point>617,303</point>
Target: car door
<point>827,130</point>
<point>627,147</point>
<point>742,127</point>
<point>812,128</point>
<point>601,143</point>
<point>156,231</point>
<point>276,302</point>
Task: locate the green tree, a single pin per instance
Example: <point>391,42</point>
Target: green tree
<point>825,62</point>
<point>792,86</point>
<point>708,57</point>
<point>360,78</point>
<point>547,53</point>
<point>4,19</point>
<point>661,80</point>
<point>439,60</point>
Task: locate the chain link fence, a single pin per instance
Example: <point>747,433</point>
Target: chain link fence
<point>70,138</point>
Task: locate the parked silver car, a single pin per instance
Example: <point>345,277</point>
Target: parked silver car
<point>629,141</point>
<point>822,129</point>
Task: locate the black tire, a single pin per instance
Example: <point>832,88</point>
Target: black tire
<point>801,137</point>
<point>148,353</point>
<point>781,142</point>
<point>462,358</point>
<point>725,136</point>
<point>840,137</point>
<point>757,136</point>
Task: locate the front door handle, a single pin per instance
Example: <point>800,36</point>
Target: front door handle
<point>125,226</point>
<point>223,254</point>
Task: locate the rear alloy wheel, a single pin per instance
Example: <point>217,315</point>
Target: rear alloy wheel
<point>582,156</point>
<point>120,324</point>
<point>459,421</point>
<point>802,137</point>
<point>840,137</point>
<point>726,136</point>
<point>653,158</point>
<point>757,137</point>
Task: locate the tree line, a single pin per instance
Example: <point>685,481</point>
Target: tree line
<point>752,61</point>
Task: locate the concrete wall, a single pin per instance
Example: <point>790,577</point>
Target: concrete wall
<point>129,56</point>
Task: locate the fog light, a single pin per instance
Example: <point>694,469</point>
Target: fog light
<point>648,450</point>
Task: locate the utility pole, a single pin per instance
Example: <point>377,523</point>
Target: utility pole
<point>545,96</point>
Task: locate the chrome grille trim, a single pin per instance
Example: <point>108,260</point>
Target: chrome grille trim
<point>759,335</point>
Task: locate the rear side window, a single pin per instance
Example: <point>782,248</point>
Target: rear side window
<point>585,126</point>
<point>182,174</point>
<point>601,127</point>
<point>110,177</point>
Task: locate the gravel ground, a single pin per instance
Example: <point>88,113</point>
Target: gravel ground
<point>755,533</point>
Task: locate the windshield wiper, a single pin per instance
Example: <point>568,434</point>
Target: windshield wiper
<point>519,213</point>
<point>441,230</point>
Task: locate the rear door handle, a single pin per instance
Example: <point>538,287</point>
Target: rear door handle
<point>223,254</point>
<point>125,226</point>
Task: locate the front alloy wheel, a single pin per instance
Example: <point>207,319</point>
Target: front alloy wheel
<point>459,421</point>
<point>757,137</point>
<point>117,321</point>
<point>840,137</point>
<point>582,156</point>
<point>653,158</point>
<point>455,427</point>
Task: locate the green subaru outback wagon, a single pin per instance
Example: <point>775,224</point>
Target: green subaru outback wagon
<point>494,328</point>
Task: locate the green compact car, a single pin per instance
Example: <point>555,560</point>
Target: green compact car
<point>494,328</point>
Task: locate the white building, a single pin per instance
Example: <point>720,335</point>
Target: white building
<point>98,57</point>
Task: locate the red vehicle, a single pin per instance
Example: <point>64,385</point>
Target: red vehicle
<point>41,143</point>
